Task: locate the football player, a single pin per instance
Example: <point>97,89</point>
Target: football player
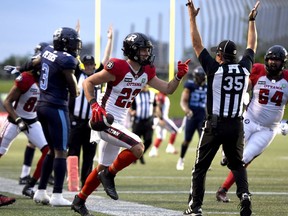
<point>265,110</point>
<point>125,78</point>
<point>164,124</point>
<point>57,81</point>
<point>193,103</point>
<point>20,104</point>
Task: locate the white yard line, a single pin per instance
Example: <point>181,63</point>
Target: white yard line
<point>98,203</point>
<point>121,208</point>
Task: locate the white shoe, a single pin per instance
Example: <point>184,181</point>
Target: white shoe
<point>180,164</point>
<point>41,196</point>
<point>153,152</point>
<point>171,149</point>
<point>57,200</point>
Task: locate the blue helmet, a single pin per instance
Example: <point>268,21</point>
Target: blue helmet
<point>68,40</point>
<point>40,47</point>
<point>199,75</point>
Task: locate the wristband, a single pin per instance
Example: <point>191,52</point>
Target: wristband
<point>177,78</point>
<point>251,19</point>
<point>17,119</point>
<point>92,101</point>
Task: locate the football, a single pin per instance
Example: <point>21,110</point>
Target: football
<point>102,125</point>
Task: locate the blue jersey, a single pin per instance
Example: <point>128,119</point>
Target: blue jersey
<point>197,97</point>
<point>53,84</point>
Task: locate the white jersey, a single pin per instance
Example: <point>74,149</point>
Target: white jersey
<point>163,102</point>
<point>25,105</point>
<point>117,100</point>
<point>25,108</point>
<point>119,94</point>
<point>268,99</point>
<point>264,113</point>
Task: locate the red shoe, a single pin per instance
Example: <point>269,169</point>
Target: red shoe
<point>4,200</point>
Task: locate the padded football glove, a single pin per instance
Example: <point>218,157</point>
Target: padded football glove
<point>183,69</point>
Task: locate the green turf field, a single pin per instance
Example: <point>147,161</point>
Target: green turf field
<point>159,184</point>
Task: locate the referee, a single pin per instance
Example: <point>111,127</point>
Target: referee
<point>142,111</point>
<point>80,114</point>
<point>227,82</point>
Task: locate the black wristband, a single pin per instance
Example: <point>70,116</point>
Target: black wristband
<point>92,101</point>
<point>251,19</point>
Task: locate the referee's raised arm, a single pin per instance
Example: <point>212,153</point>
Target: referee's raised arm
<point>252,32</point>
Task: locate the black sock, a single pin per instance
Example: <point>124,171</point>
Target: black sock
<point>46,171</point>
<point>59,174</point>
<point>28,156</point>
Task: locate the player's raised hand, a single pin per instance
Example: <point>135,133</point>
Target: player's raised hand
<point>191,8</point>
<point>110,32</point>
<point>253,13</point>
<point>183,69</point>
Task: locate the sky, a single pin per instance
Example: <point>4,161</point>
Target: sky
<point>26,23</point>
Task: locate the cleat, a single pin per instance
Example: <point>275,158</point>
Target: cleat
<point>197,211</point>
<point>78,205</point>
<point>180,164</point>
<point>245,205</point>
<point>221,195</point>
<point>107,180</point>
<point>57,200</point>
<point>24,180</point>
<point>4,200</point>
<point>153,152</point>
<point>41,196</point>
<point>28,191</point>
<point>142,161</point>
<point>171,149</point>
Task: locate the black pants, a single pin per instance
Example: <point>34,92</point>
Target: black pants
<point>80,138</point>
<point>228,132</point>
<point>144,129</point>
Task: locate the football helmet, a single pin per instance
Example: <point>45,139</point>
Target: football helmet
<point>68,40</point>
<point>132,45</point>
<point>275,52</point>
<point>199,75</point>
<point>39,47</point>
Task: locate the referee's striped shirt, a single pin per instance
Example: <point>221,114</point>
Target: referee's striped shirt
<point>79,106</point>
<point>144,105</point>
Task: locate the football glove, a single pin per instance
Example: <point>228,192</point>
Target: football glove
<point>22,125</point>
<point>284,129</point>
<point>183,69</point>
<point>97,112</point>
<point>11,69</point>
